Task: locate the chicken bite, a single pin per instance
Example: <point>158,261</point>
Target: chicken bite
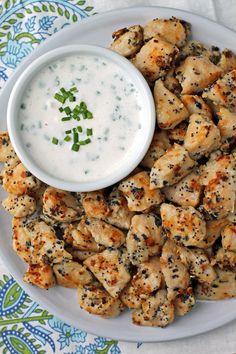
<point>202,136</point>
<point>71,274</point>
<point>105,234</point>
<point>223,91</point>
<point>174,271</point>
<point>110,270</point>
<point>138,193</point>
<point>170,110</point>
<point>186,192</point>
<point>227,61</point>
<point>40,275</point>
<point>196,105</point>
<point>18,180</point>
<point>172,30</point>
<point>96,300</point>
<point>127,41</point>
<point>156,311</point>
<point>223,287</point>
<point>95,204</point>
<point>229,237</point>
<point>184,302</point>
<point>226,124</point>
<point>155,58</point>
<point>171,167</point>
<point>144,239</point>
<point>184,225</point>
<point>160,143</point>
<point>196,73</point>
<point>19,206</point>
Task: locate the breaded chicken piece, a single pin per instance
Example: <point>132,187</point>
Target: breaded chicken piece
<point>119,214</point>
<point>130,298</point>
<point>175,272</point>
<point>19,181</point>
<point>144,239</point>
<point>36,242</point>
<point>40,275</point>
<point>96,300</point>
<point>110,270</point>
<point>177,134</point>
<point>196,105</point>
<point>7,153</point>
<point>202,136</point>
<point>224,259</point>
<point>148,278</point>
<point>173,30</point>
<point>196,73</point>
<point>171,167</point>
<point>155,58</point>
<point>229,237</point>
<point>223,91</point>
<point>213,231</point>
<point>226,124</point>
<point>80,256</point>
<point>223,287</point>
<point>197,263</point>
<point>71,274</point>
<point>21,239</point>
<point>105,234</point>
<point>227,61</point>
<point>156,311</point>
<point>19,206</point>
<point>79,237</point>
<point>160,143</point>
<point>186,192</point>
<point>95,205</point>
<point>60,205</point>
<point>184,302</point>
<point>184,225</point>
<point>127,41</point>
<point>136,190</point>
<point>170,110</point>
<point>195,48</point>
<point>171,83</point>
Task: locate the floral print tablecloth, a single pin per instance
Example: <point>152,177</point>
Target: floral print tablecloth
<point>25,327</point>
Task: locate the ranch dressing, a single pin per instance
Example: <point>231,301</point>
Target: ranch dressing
<point>109,95</point>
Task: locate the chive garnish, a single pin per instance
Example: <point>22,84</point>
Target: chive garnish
<point>79,128</point>
<point>68,131</point>
<point>89,115</point>
<point>55,141</point>
<point>65,119</point>
<point>85,142</point>
<point>75,137</point>
<point>67,138</point>
<point>60,98</point>
<point>75,147</point>
<point>89,132</point>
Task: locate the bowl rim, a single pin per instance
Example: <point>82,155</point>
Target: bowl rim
<point>33,69</point>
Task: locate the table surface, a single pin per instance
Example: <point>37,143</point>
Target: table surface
<point>25,327</point>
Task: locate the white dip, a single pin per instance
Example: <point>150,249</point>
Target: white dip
<point>111,98</point>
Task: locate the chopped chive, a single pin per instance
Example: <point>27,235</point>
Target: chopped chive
<point>68,131</point>
<point>61,109</point>
<point>83,105</point>
<point>63,91</point>
<point>89,115</point>
<point>79,128</point>
<point>72,98</point>
<point>67,138</point>
<point>85,142</point>
<point>55,140</point>
<point>66,119</point>
<point>67,110</point>
<point>75,147</point>
<point>59,98</point>
<point>74,89</point>
<point>89,131</point>
<point>75,137</point>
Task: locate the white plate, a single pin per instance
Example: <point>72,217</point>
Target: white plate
<point>63,302</point>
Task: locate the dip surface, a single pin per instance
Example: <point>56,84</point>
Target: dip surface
<point>112,98</point>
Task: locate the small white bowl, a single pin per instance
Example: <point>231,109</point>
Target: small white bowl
<point>147,127</point>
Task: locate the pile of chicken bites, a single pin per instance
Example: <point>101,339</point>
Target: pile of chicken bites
<point>165,235</point>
